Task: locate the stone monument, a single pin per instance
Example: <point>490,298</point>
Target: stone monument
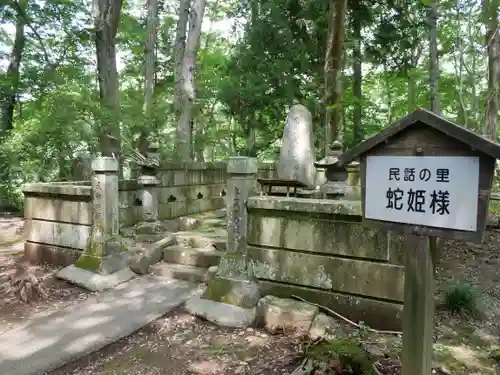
<point>297,148</point>
<point>232,295</point>
<point>104,263</point>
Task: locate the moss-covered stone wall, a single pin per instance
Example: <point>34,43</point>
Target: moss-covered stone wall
<point>320,250</point>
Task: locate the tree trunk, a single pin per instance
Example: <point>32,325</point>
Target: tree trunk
<point>333,72</point>
<point>180,46</point>
<point>10,90</point>
<point>149,74</point>
<point>433,58</point>
<point>357,76</point>
<point>106,19</point>
<point>187,90</point>
<point>490,8</point>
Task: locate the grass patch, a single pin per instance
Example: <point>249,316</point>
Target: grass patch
<point>461,298</point>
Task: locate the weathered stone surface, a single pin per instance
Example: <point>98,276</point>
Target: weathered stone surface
<point>324,326</point>
<point>312,206</point>
<point>81,189</point>
<point>149,238</point>
<point>93,281</point>
<point>321,235</point>
<point>297,147</point>
<point>287,315</point>
<point>375,313</point>
<point>74,236</point>
<point>145,227</point>
<point>237,292</point>
<point>204,257</point>
<point>190,193</point>
<point>220,313</point>
<point>180,271</point>
<point>372,279</point>
<point>58,209</point>
<point>144,258</point>
<point>176,209</point>
<point>37,253</point>
<point>105,252</point>
<point>149,197</point>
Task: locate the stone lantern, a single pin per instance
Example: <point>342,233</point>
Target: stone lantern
<point>335,184</point>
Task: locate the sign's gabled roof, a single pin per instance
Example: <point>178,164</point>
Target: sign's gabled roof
<point>433,120</point>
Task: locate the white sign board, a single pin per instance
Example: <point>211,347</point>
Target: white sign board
<point>436,191</point>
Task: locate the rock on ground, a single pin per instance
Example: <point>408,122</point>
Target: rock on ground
<point>324,326</point>
<point>287,315</point>
<point>219,313</point>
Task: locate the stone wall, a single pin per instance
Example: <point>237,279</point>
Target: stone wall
<point>59,218</point>
<point>319,250</point>
<point>190,188</point>
<point>58,221</point>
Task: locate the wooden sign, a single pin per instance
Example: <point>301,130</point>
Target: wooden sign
<point>428,178</point>
<point>423,190</point>
<point>405,167</point>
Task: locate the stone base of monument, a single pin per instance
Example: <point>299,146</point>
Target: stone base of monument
<point>95,271</point>
<point>93,281</point>
<point>222,314</point>
<point>227,302</point>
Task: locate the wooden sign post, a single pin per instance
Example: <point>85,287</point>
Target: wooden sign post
<point>429,179</point>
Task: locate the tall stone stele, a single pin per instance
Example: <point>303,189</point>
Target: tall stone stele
<point>105,253</point>
<point>297,148</point>
<point>234,282</point>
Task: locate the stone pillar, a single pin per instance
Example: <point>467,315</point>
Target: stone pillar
<point>241,184</point>
<point>149,227</point>
<point>104,253</point>
<point>234,282</point>
<point>149,183</point>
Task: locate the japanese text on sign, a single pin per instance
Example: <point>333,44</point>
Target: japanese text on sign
<point>433,191</point>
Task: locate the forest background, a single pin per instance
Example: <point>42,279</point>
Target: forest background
<point>208,79</point>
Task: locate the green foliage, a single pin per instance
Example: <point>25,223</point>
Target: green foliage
<point>349,352</point>
<point>461,297</point>
<point>271,57</point>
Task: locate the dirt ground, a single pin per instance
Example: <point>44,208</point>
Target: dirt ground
<point>12,311</point>
<point>180,344</point>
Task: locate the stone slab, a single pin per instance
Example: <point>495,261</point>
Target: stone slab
<point>331,237</point>
<point>48,342</point>
<point>354,276</point>
<point>220,313</point>
<point>74,236</point>
<point>58,209</point>
<point>93,281</point>
<point>37,253</point>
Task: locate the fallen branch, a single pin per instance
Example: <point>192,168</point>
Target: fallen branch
<point>336,314</point>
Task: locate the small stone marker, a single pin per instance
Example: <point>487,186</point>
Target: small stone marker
<point>297,148</point>
<point>428,178</point>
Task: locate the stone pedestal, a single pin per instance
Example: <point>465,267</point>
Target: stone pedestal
<point>105,254</point>
<point>234,284</point>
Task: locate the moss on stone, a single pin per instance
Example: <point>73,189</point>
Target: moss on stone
<point>88,262</point>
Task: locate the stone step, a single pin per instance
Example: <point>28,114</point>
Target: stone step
<point>192,256</point>
<point>182,272</point>
<point>200,240</point>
